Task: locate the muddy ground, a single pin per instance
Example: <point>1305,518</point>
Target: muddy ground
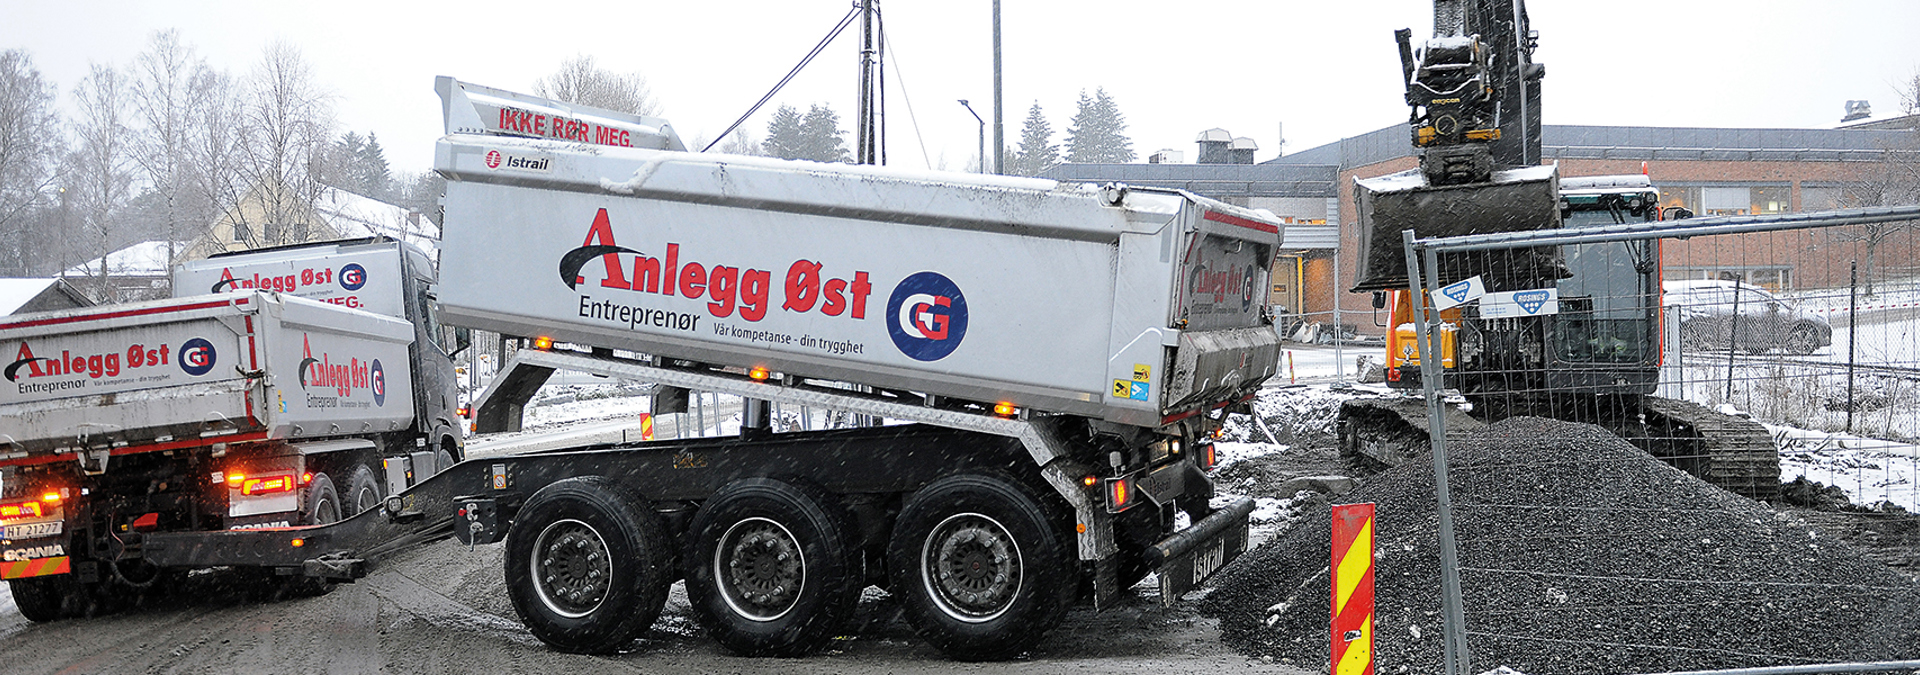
<point>443,609</point>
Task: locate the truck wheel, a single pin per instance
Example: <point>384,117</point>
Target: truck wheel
<point>983,571</point>
<point>588,564</point>
<point>771,568</point>
<point>363,492</point>
<point>43,599</point>
<point>323,501</point>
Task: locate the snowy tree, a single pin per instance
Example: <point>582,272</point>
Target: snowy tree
<point>1037,149</point>
<point>739,143</point>
<point>581,80</point>
<point>214,142</point>
<point>288,123</point>
<point>1099,131</point>
<point>162,101</point>
<point>785,139</point>
<point>822,130</point>
<point>815,136</point>
<point>99,173</point>
<point>358,165</point>
<point>30,148</point>
<point>1893,181</point>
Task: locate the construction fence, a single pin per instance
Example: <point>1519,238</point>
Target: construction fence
<point>1692,445</point>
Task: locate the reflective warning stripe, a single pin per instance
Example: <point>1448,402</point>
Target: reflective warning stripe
<point>1352,625</point>
<point>38,567</point>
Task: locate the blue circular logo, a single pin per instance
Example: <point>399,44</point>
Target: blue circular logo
<point>197,356</point>
<point>353,276</point>
<point>379,384</point>
<point>927,316</point>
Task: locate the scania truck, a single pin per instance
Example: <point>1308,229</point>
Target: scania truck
<point>290,387</point>
<point>1042,368</point>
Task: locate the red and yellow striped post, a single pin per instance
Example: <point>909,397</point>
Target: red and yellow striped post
<point>646,426</point>
<point>1353,589</point>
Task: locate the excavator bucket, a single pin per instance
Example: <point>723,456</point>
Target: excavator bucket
<point>1515,200</point>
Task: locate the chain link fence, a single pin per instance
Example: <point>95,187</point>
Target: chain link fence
<point>1692,445</point>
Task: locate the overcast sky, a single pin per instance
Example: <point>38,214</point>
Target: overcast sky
<point>1325,70</point>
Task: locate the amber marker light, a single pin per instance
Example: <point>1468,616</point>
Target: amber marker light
<point>235,479</point>
<point>1004,409</point>
<point>543,343</point>
<point>297,543</point>
<point>51,498</point>
<point>759,374</point>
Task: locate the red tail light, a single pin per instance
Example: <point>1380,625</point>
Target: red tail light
<point>268,484</point>
<point>1119,494</point>
<point>21,510</point>
<point>1209,457</point>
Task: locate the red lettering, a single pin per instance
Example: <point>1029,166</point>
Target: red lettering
<point>803,286</point>
<point>860,290</point>
<point>673,259</point>
<point>835,291</point>
<point>602,231</point>
<point>693,280</point>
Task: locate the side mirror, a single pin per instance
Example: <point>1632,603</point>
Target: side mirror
<point>1379,299</point>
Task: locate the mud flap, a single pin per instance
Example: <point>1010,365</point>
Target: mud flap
<point>1189,557</point>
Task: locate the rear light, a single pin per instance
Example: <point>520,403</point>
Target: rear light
<point>1004,409</point>
<point>464,412</point>
<point>21,510</point>
<point>1393,374</point>
<point>1119,494</point>
<point>267,484</point>
<point>1209,457</point>
<point>1090,480</point>
<point>543,343</point>
<point>306,478</point>
<point>50,498</point>
<point>235,478</point>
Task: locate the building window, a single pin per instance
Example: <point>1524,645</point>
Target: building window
<point>1820,198</point>
<point>1724,201</point>
<point>1772,200</point>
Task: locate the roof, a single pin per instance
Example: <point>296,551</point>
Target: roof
<point>1211,180</point>
<point>145,259</point>
<point>1567,141</point>
<point>31,295</point>
<point>353,216</point>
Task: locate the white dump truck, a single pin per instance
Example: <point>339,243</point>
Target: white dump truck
<point>1042,367</point>
<point>249,407</point>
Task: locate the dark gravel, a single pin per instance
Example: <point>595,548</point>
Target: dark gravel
<point>1582,555</point>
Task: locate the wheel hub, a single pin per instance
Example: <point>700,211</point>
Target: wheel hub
<point>571,568</point>
<point>974,565</point>
<point>760,569</point>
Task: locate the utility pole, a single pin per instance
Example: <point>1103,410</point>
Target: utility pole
<point>999,127</point>
<point>867,142</point>
<point>980,166</point>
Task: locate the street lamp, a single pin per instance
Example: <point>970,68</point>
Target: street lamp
<point>983,134</point>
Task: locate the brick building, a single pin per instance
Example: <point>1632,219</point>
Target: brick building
<point>1709,171</point>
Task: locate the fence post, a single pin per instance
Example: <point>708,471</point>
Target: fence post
<point>1432,371</point>
<point>1853,307</point>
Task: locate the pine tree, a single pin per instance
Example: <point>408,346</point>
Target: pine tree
<point>1037,149</point>
<point>374,177</point>
<point>822,130</point>
<point>1099,131</point>
<point>786,138</point>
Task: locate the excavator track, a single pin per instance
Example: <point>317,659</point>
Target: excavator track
<point>1733,453</point>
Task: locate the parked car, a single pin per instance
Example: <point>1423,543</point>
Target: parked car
<point>1708,318</point>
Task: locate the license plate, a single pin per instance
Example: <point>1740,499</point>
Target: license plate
<point>30,530</point>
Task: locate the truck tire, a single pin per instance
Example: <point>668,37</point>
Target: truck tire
<point>587,565</point>
<point>323,501</point>
<point>363,492</point>
<point>771,567</point>
<point>983,567</point>
<point>50,598</point>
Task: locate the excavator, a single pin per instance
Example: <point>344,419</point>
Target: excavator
<point>1474,92</point>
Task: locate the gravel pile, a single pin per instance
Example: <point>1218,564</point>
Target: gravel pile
<point>1582,555</point>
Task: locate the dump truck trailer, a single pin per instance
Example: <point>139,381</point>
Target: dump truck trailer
<point>1042,368</point>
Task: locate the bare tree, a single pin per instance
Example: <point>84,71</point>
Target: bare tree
<point>581,80</point>
<point>213,144</point>
<point>289,121</point>
<point>162,89</point>
<point>100,169</point>
<point>30,147</point>
<point>738,143</point>
<point>1892,181</point>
